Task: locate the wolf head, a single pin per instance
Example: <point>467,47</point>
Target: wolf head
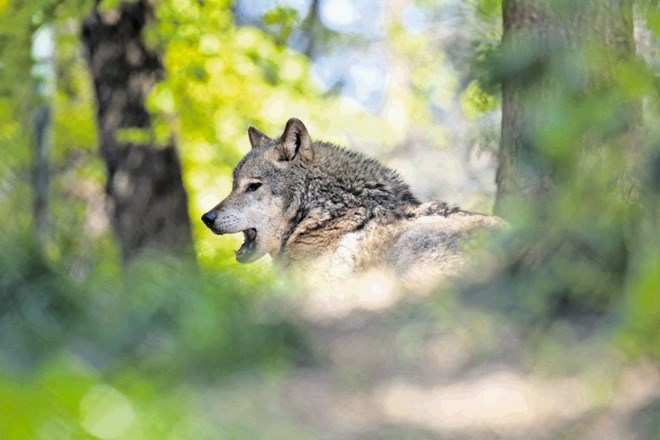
<point>268,184</point>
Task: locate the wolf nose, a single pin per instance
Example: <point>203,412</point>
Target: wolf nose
<point>209,218</point>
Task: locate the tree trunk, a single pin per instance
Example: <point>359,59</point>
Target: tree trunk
<point>569,126</point>
<point>149,204</point>
<point>311,26</point>
<point>43,50</point>
<point>534,32</point>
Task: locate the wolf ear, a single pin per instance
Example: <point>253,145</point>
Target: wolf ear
<point>256,137</point>
<point>296,143</point>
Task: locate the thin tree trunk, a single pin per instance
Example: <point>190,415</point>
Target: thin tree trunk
<point>311,25</point>
<point>43,50</point>
<point>145,186</point>
<point>41,172</point>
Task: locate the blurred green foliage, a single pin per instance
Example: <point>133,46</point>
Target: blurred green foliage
<point>149,336</point>
<point>88,349</point>
<point>584,249</point>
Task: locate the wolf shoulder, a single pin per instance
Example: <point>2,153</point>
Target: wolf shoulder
<point>434,241</point>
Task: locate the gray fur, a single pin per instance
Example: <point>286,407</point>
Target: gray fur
<point>312,203</point>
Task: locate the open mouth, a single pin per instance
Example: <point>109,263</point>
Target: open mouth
<point>248,247</point>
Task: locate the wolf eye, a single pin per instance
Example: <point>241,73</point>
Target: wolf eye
<point>253,187</point>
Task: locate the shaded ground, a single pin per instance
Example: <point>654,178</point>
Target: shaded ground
<point>399,366</point>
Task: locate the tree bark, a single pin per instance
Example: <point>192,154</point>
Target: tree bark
<point>536,31</point>
<point>149,204</point>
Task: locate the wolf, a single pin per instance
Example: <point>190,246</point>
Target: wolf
<point>324,209</point>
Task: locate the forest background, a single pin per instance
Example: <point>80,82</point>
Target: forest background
<point>121,316</point>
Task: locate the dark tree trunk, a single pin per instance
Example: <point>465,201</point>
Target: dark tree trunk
<point>145,186</point>
<point>535,31</point>
<point>41,173</point>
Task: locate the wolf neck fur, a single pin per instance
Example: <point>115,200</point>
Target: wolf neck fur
<point>343,192</point>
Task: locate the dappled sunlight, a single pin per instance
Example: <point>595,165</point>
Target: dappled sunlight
<point>373,291</point>
<point>451,351</point>
<point>639,385</point>
<point>105,412</point>
<point>461,375</point>
<point>501,402</point>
